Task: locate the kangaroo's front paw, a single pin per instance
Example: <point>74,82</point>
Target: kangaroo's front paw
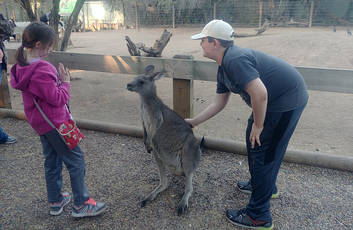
<point>182,208</point>
<point>149,149</point>
<point>144,202</point>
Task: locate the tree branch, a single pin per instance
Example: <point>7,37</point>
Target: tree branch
<point>71,22</point>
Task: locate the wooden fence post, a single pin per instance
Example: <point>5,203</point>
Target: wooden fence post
<point>5,100</point>
<point>183,93</point>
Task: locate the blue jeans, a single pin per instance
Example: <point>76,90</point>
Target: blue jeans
<point>56,152</point>
<point>265,160</point>
<point>3,135</point>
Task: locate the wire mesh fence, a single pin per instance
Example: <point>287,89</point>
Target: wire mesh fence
<point>245,13</point>
<point>252,13</point>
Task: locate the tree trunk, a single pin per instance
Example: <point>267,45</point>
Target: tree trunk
<point>36,9</point>
<point>26,5</point>
<point>72,21</point>
<point>54,16</point>
<point>54,21</point>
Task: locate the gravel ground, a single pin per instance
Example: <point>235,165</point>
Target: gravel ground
<point>120,172</point>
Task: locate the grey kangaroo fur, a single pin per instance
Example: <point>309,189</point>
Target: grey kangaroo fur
<point>167,135</point>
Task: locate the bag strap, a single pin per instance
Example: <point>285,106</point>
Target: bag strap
<point>43,114</point>
<point>47,120</point>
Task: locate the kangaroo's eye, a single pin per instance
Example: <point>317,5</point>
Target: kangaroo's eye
<point>140,82</point>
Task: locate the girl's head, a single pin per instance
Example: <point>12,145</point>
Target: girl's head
<point>38,39</point>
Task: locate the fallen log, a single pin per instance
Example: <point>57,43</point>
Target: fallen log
<point>259,31</point>
<point>155,51</point>
<point>132,47</point>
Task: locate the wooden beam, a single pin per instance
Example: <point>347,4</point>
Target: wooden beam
<point>332,80</point>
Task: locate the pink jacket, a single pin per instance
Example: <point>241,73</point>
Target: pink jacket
<point>39,81</point>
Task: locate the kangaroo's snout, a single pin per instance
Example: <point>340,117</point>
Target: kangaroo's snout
<point>129,87</point>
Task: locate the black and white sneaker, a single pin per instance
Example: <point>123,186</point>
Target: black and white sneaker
<point>240,218</point>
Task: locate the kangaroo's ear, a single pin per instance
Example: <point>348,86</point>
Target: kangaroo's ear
<point>156,76</point>
<point>149,69</point>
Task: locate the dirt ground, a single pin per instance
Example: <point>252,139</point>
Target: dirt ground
<point>326,125</point>
<point>119,171</point>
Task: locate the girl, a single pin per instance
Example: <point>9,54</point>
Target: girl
<point>38,80</point>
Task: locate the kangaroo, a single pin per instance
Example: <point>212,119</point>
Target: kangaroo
<point>167,135</point>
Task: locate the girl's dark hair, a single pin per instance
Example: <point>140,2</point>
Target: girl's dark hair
<point>33,33</point>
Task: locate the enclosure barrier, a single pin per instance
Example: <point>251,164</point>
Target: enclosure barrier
<point>183,73</point>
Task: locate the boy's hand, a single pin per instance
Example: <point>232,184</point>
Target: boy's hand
<point>189,121</point>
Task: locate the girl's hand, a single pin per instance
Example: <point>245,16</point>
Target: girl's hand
<point>64,74</point>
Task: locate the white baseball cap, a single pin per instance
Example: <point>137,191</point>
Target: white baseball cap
<point>216,29</point>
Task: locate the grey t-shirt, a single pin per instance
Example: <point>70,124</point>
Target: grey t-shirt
<point>285,86</point>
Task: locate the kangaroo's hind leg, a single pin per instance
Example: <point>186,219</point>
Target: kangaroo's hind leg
<point>190,159</point>
<point>184,202</point>
<point>163,183</point>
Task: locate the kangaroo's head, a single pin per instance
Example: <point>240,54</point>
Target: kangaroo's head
<point>144,84</point>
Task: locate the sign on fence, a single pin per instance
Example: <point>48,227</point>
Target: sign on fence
<point>67,6</point>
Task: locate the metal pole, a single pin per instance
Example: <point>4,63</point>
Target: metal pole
<point>87,15</point>
<point>136,15</point>
<point>173,15</point>
<point>311,13</point>
<point>260,13</point>
<point>83,18</point>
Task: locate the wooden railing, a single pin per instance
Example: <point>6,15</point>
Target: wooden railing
<point>183,72</point>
